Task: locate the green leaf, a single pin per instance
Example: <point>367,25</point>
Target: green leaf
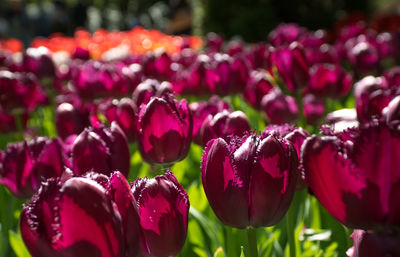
<point>242,252</point>
<point>18,245</point>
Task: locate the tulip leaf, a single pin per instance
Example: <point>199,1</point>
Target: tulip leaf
<point>18,245</point>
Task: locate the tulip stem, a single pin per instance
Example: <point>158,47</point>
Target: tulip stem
<point>299,100</point>
<point>290,232</point>
<point>252,241</point>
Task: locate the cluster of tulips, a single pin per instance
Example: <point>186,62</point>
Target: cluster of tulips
<point>81,202</point>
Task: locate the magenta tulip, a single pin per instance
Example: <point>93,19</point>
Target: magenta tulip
<point>163,207</point>
<point>251,181</point>
<point>257,86</point>
<point>164,129</point>
<point>149,88</point>
<point>279,108</point>
<point>355,174</point>
<point>75,218</point>
<point>370,244</point>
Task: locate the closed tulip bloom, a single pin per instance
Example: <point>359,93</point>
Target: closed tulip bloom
<point>251,181</point>
<point>39,62</point>
<point>149,88</point>
<point>330,80</point>
<point>392,76</point>
<point>355,174</point>
<point>118,190</point>
<point>291,65</point>
<point>124,113</point>
<point>314,108</point>
<point>70,120</point>
<point>101,150</point>
<point>26,164</point>
<point>201,110</point>
<point>363,54</point>
<point>163,207</point>
<point>164,130</point>
<point>51,223</point>
<point>279,108</point>
<point>370,244</point>
<point>392,112</point>
<point>224,124</point>
<point>257,86</point>
<point>285,34</point>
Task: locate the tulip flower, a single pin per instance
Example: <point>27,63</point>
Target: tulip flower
<point>257,86</point>
<point>75,218</point>
<point>313,108</point>
<point>342,119</point>
<point>379,244</point>
<point>363,55</point>
<point>70,120</point>
<point>285,34</point>
<point>164,129</point>
<point>124,113</point>
<point>291,66</point>
<point>329,80</point>
<point>279,108</point>
<point>224,124</point>
<point>26,164</point>
<point>251,181</point>
<point>101,150</point>
<point>355,174</point>
<point>392,111</point>
<point>39,62</point>
<point>163,207</point>
<point>148,89</point>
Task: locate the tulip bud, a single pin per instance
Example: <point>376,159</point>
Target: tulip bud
<point>355,174</point>
<point>329,81</point>
<point>201,110</point>
<point>164,130</point>
<point>257,86</point>
<point>101,150</point>
<point>148,89</point>
<point>26,164</point>
<point>224,124</point>
<point>124,113</point>
<point>251,181</point>
<point>392,112</point>
<point>291,65</point>
<point>69,120</point>
<point>363,55</point>
<point>52,222</point>
<point>379,244</point>
<point>314,108</point>
<point>285,34</point>
<point>39,62</point>
<point>163,207</point>
<point>279,107</point>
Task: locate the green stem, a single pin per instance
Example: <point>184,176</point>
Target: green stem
<point>252,241</point>
<point>302,119</point>
<point>290,232</point>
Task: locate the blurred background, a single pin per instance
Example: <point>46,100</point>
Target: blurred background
<point>250,20</point>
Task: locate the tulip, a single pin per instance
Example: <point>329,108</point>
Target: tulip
<point>251,181</point>
<point>39,62</point>
<point>200,111</point>
<point>9,122</point>
<point>164,130</point>
<point>342,119</point>
<point>214,42</point>
<point>224,124</point>
<point>148,89</point>
<point>392,111</point>
<point>257,56</point>
<point>26,164</point>
<point>313,108</point>
<point>363,55</point>
<point>392,76</point>
<point>75,218</point>
<point>355,174</point>
<point>70,120</point>
<point>101,150</point>
<point>291,66</point>
<point>278,107</point>
<point>163,207</point>
<point>330,81</point>
<point>118,190</point>
<point>285,34</point>
<point>257,86</point>
<point>369,244</point>
<point>124,113</point>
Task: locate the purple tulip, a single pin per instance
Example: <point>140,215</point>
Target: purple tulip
<point>363,55</point>
<point>329,80</point>
<point>101,150</point>
<point>257,86</point>
<point>200,112</point>
<point>52,222</point>
<point>132,75</point>
<point>118,190</point>
<point>39,62</point>
<point>163,207</point>
<point>314,108</point>
<point>224,124</point>
<point>257,56</point>
<point>291,66</point>
<point>251,181</point>
<point>157,65</point>
<point>355,174</point>
<point>9,122</point>
<point>392,76</point>
<point>149,88</point>
<point>70,120</point>
<point>279,108</point>
<point>285,34</point>
<point>214,42</point>
<point>124,113</point>
<point>81,53</point>
<point>392,112</point>
<point>342,119</point>
<point>164,129</point>
<point>26,164</point>
<point>379,244</point>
